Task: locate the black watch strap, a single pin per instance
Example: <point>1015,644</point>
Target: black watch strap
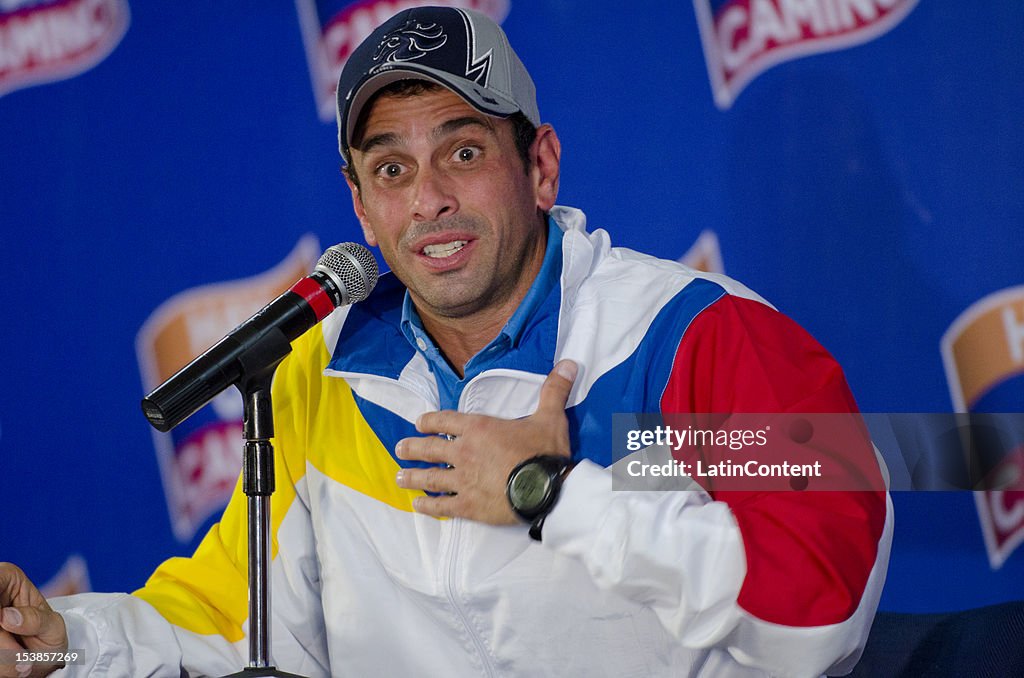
<point>536,526</point>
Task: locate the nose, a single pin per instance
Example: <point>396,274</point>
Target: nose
<point>435,196</point>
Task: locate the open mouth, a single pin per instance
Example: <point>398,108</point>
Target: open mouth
<point>444,250</point>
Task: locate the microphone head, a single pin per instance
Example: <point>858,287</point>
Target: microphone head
<point>352,268</point>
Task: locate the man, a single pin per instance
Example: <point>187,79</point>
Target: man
<point>477,385</point>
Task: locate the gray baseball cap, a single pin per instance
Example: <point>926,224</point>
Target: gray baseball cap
<point>460,49</point>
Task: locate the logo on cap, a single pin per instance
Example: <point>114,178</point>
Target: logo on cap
<point>412,41</point>
<point>331,31</point>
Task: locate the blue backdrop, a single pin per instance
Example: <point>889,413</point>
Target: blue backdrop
<point>860,164</point>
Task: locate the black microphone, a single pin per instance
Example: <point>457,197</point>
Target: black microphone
<point>345,274</point>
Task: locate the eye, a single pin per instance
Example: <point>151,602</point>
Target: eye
<point>389,170</point>
<point>466,154</point>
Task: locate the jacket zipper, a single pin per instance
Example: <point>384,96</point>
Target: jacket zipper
<point>449,589</point>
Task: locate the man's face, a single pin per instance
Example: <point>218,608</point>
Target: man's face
<point>444,194</point>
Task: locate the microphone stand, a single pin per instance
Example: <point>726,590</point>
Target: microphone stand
<point>258,364</point>
<point>247,358</point>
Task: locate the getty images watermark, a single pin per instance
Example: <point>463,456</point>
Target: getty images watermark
<point>817,452</point>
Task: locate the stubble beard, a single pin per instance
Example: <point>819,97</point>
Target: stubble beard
<point>456,295</point>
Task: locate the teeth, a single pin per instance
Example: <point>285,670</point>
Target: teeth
<point>444,250</point>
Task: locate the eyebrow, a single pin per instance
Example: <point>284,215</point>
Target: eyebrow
<point>442,130</point>
<point>385,139</point>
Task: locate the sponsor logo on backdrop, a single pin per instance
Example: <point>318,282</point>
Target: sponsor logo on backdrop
<point>704,254</point>
<point>42,41</point>
<point>982,351</point>
<point>743,38</point>
<point>72,578</point>
<point>200,459</point>
<point>331,30</point>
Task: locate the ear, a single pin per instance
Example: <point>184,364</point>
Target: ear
<point>546,154</point>
<point>360,210</point>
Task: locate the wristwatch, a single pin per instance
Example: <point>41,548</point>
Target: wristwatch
<point>533,488</point>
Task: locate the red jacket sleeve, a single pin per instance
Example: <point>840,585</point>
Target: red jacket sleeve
<point>809,554</point>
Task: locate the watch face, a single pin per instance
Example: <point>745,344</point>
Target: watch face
<point>529,488</point>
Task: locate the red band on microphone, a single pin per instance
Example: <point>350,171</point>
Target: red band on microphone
<point>314,294</point>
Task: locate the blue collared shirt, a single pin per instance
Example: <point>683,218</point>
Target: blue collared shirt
<point>449,385</point>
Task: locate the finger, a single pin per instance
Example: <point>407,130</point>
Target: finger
<point>30,628</point>
<point>37,626</point>
<point>20,670</point>
<point>446,421</point>
<point>9,642</point>
<point>438,507</point>
<point>427,479</point>
<point>16,588</point>
<point>11,619</point>
<point>8,669</point>
<point>429,448</point>
<point>554,393</point>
